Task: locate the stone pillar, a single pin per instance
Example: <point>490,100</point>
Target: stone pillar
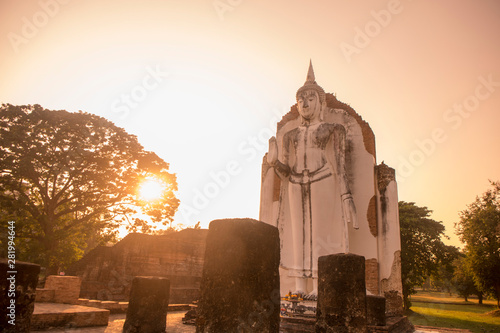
<point>148,304</point>
<point>375,310</point>
<point>389,244</point>
<point>17,298</point>
<point>66,288</point>
<point>393,304</point>
<point>240,283</point>
<point>341,294</point>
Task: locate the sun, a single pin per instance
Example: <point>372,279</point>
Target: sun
<point>151,190</point>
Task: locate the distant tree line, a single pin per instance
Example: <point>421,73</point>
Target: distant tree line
<point>427,262</point>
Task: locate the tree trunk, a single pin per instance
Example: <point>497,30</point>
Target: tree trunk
<point>480,296</point>
<point>497,289</point>
<point>466,299</point>
<point>406,302</point>
<point>50,246</point>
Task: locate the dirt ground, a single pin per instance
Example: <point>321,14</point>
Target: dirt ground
<point>175,325</point>
<point>116,321</point>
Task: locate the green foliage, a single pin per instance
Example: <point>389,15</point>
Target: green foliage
<point>442,279</point>
<point>421,247</point>
<point>463,280</point>
<point>70,180</point>
<point>479,229</point>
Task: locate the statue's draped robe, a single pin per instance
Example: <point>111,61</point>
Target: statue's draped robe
<point>310,211</point>
<point>374,194</point>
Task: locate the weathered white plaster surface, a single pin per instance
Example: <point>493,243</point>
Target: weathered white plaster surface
<point>377,236</point>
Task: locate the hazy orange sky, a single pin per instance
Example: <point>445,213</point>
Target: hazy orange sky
<point>203,82</point>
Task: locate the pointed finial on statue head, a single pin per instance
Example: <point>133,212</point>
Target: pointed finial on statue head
<point>310,74</point>
<point>311,84</point>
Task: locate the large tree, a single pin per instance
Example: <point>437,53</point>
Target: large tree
<point>421,247</point>
<point>70,180</point>
<point>443,278</point>
<point>463,280</point>
<point>479,229</point>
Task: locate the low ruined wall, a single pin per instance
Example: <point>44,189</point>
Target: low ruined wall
<point>63,289</point>
<point>107,272</point>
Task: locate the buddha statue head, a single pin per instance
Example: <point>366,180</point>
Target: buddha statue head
<point>310,98</point>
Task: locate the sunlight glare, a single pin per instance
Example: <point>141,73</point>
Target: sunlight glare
<point>151,190</point>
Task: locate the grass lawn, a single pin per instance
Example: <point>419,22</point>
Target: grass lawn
<point>441,310</point>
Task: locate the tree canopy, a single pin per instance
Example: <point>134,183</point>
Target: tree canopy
<point>479,230</point>
<point>69,180</point>
<point>443,278</point>
<point>421,246</point>
<point>463,280</point>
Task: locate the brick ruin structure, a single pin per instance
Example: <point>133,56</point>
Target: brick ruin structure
<point>107,272</point>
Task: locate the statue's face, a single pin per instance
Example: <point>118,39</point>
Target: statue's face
<point>309,104</point>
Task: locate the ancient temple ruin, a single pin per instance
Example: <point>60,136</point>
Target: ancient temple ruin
<point>322,138</point>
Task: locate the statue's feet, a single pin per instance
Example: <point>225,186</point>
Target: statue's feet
<point>312,296</point>
<point>300,286</point>
<point>299,293</point>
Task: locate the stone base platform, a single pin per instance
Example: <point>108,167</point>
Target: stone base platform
<point>300,324</point>
<point>394,325</point>
<point>297,324</point>
<point>54,315</point>
<point>67,315</point>
<point>121,307</point>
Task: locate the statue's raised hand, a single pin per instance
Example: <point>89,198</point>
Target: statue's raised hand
<point>272,155</point>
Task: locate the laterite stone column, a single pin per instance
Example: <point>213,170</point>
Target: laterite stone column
<point>341,294</point>
<point>17,299</point>
<point>240,282</point>
<point>375,310</point>
<point>148,304</point>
